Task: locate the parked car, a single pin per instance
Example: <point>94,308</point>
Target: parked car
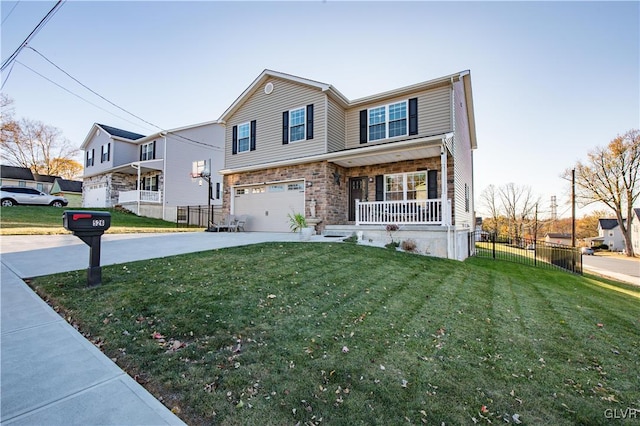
<point>587,250</point>
<point>14,195</point>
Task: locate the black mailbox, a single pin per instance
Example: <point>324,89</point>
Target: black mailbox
<point>89,227</point>
<point>86,222</point>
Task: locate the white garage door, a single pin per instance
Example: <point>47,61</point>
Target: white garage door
<point>95,197</point>
<point>267,206</point>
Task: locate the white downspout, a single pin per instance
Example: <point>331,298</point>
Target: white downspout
<point>137,167</point>
<point>163,194</point>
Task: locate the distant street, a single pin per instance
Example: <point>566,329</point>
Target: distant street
<point>612,266</point>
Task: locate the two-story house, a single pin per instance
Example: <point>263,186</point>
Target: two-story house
<point>610,234</point>
<point>635,231</point>
<point>402,157</point>
<point>152,175</point>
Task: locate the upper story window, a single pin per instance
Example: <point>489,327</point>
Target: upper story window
<point>243,137</point>
<point>148,151</point>
<point>89,158</point>
<point>389,121</point>
<point>106,153</point>
<point>297,124</point>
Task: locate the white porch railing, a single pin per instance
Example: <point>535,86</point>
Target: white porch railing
<point>417,212</point>
<point>145,196</point>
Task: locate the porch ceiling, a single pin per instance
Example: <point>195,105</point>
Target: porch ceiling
<point>145,166</point>
<point>390,155</point>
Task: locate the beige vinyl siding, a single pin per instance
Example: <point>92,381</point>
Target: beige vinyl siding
<point>434,115</point>
<point>335,126</point>
<point>267,111</point>
<point>463,160</point>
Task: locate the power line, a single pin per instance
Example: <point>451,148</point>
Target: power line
<point>117,106</point>
<point>70,92</point>
<point>31,35</point>
<point>11,11</point>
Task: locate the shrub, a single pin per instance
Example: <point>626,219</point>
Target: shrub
<point>392,245</point>
<point>352,239</point>
<point>409,245</point>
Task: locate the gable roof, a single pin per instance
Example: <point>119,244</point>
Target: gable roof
<point>637,213</point>
<point>125,134</point>
<point>464,76</point>
<point>560,235</point>
<point>13,172</point>
<point>67,185</point>
<point>44,178</point>
<point>608,223</point>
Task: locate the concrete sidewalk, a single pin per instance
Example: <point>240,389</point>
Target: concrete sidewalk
<point>50,374</point>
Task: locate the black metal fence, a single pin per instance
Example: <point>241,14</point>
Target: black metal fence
<point>525,250</point>
<point>197,216</point>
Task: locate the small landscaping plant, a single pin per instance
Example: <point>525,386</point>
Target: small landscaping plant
<point>297,221</point>
<point>409,245</point>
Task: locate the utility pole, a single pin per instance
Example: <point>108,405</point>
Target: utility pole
<point>573,207</point>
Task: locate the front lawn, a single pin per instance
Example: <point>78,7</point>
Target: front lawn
<point>335,333</point>
<point>45,220</point>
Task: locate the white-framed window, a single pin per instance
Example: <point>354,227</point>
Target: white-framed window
<point>22,184</point>
<point>147,151</point>
<point>106,153</point>
<point>405,186</point>
<point>295,187</point>
<point>276,188</point>
<point>149,183</point>
<point>258,190</point>
<point>39,187</point>
<point>244,137</point>
<point>388,121</point>
<point>297,126</point>
<point>241,191</point>
<point>89,160</point>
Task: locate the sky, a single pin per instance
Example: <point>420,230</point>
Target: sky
<point>551,80</point>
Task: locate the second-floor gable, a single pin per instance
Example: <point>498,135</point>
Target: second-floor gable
<point>282,117</point>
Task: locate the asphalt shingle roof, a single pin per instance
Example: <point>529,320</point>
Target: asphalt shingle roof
<point>608,223</point>
<point>114,131</point>
<point>69,185</point>
<point>13,172</point>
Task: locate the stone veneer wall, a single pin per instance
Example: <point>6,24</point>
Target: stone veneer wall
<point>329,183</point>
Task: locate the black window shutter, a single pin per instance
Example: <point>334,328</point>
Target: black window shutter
<point>109,152</point>
<point>234,140</point>
<point>141,152</point>
<point>102,154</point>
<point>413,116</point>
<point>217,190</point>
<point>154,150</point>
<point>253,136</point>
<point>432,184</point>
<point>285,127</point>
<point>363,126</point>
<point>93,156</point>
<point>310,121</point>
<point>379,188</point>
<point>86,160</point>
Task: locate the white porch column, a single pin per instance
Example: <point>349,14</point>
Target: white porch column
<point>446,213</point>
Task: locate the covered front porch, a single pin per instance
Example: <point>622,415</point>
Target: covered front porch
<point>143,192</point>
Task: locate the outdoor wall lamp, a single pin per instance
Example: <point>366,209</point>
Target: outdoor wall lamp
<point>309,184</point>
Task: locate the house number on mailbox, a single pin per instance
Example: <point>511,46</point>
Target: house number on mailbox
<point>98,222</point>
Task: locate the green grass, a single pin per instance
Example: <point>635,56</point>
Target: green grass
<point>39,220</point>
<point>429,340</point>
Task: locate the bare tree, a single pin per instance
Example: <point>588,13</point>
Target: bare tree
<point>489,199</point>
<point>518,203</point>
<point>33,144</point>
<point>610,176</point>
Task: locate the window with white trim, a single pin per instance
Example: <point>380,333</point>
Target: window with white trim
<point>405,186</point>
<point>244,136</point>
<point>89,160</point>
<point>297,128</point>
<point>149,183</point>
<point>388,121</point>
<point>106,153</point>
<point>146,152</point>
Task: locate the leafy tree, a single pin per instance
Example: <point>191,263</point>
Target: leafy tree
<point>35,145</point>
<point>610,176</point>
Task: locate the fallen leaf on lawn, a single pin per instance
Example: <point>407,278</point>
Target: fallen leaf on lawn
<point>345,349</point>
<point>157,335</point>
<point>175,410</point>
<point>404,383</point>
<point>516,418</point>
<point>382,367</point>
<point>484,409</point>
<point>600,325</point>
<point>271,296</point>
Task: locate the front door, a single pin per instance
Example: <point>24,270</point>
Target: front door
<point>357,191</point>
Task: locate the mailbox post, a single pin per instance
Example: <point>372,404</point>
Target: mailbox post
<point>89,227</point>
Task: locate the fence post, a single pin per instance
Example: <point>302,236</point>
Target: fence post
<point>493,244</point>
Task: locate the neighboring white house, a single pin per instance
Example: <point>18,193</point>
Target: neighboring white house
<point>635,231</point>
<point>152,175</point>
<point>22,176</point>
<point>610,234</point>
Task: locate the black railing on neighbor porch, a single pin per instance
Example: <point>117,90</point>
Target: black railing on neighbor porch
<point>527,251</point>
<point>198,216</point>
